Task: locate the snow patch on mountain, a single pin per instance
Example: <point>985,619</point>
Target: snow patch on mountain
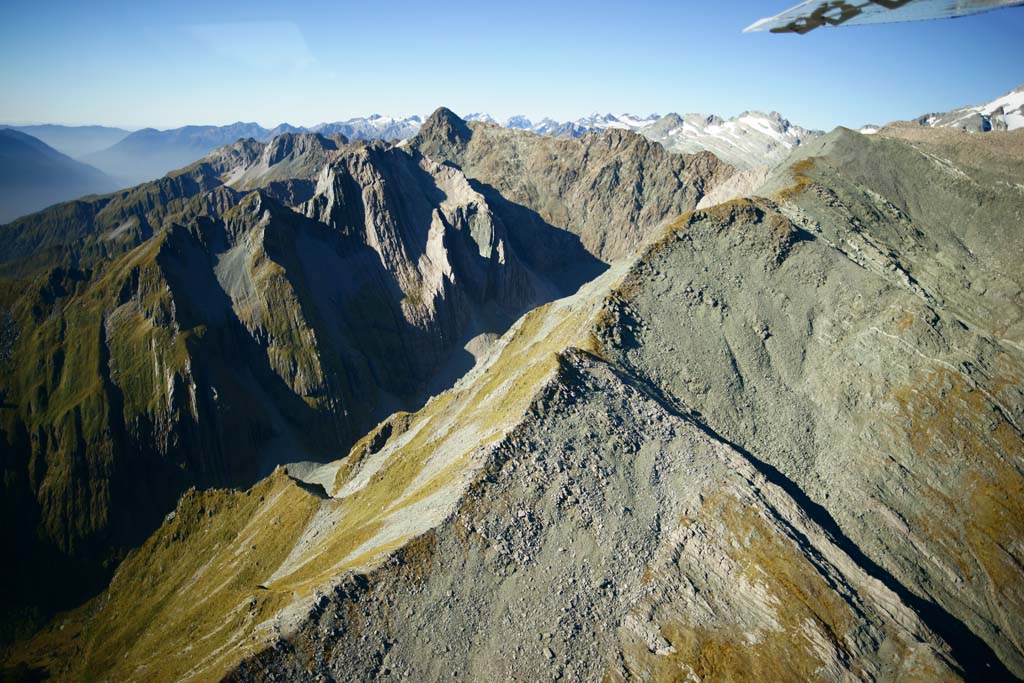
<point>745,141</point>
<point>1003,113</point>
<point>375,127</point>
<point>574,128</point>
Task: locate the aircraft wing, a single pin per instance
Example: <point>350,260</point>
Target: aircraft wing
<point>813,14</point>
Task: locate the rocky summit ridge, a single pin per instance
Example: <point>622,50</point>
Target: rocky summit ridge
<point>777,438</point>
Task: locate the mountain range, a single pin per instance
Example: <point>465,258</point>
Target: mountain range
<point>75,141</point>
<point>1003,113</point>
<point>576,128</point>
<point>137,156</point>
<point>750,141</point>
<point>778,437</point>
<point>485,404</point>
<point>375,127</point>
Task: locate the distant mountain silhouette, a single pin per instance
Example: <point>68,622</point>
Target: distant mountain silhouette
<point>148,154</point>
<point>75,141</point>
<point>34,175</point>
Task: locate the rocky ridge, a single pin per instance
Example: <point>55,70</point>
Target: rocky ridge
<point>606,188</point>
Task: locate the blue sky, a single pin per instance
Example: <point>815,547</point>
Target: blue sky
<point>166,64</point>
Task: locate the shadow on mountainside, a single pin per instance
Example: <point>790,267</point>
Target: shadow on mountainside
<point>547,249</point>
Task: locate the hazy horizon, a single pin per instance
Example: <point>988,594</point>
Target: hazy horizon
<point>121,65</point>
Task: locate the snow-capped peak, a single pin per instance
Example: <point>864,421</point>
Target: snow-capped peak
<point>623,121</point>
<point>751,139</point>
<point>518,122</point>
<point>1005,112</point>
<point>375,126</point>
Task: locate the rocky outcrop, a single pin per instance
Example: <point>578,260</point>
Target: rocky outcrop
<point>287,157</point>
<point>444,135</point>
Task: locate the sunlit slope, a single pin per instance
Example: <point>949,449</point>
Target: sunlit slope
<point>259,558</point>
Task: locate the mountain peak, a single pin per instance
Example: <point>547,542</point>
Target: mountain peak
<point>443,116</point>
<point>442,134</point>
<point>481,116</point>
<point>518,121</point>
<point>1005,112</point>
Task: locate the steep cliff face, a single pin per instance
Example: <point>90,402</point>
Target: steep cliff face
<point>780,443</point>
<point>609,188</point>
<point>268,304</point>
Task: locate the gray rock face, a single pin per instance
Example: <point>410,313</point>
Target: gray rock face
<point>880,381</point>
<point>610,188</point>
<point>836,388</point>
<point>616,541</point>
